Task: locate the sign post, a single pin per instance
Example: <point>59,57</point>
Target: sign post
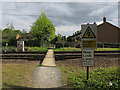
<point>89,43</point>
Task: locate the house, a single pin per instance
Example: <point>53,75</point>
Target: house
<point>108,34</point>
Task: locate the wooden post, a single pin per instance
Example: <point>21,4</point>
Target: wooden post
<point>87,72</point>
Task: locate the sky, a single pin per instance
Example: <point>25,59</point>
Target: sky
<point>67,16</point>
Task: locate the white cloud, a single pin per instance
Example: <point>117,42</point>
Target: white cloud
<point>66,23</point>
<point>62,8</point>
<point>18,23</point>
<point>100,11</point>
<point>67,30</point>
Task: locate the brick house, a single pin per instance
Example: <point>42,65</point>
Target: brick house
<point>108,34</point>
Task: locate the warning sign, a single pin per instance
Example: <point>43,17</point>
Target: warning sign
<point>89,43</point>
<point>89,36</point>
<point>89,33</point>
<point>88,57</point>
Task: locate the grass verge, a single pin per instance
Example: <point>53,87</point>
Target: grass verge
<point>67,49</point>
<point>79,49</point>
<point>11,48</point>
<point>99,77</point>
<point>18,75</point>
<point>42,49</point>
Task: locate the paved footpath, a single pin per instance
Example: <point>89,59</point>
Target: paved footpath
<point>47,75</point>
<point>49,59</point>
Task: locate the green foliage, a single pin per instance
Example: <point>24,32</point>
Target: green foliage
<point>9,49</point>
<point>9,36</point>
<point>43,29</point>
<point>99,78</point>
<point>58,45</point>
<point>36,49</point>
<point>69,39</point>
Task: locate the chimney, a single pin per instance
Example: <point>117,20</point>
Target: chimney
<point>104,19</point>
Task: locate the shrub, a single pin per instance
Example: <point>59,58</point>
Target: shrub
<point>58,45</point>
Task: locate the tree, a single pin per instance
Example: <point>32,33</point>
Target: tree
<point>69,39</point>
<point>9,36</point>
<point>43,30</point>
<point>10,26</point>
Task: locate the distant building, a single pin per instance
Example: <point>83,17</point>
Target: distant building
<point>108,35</point>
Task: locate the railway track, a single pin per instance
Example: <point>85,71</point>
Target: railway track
<point>78,54</point>
<point>58,55</point>
<point>23,55</point>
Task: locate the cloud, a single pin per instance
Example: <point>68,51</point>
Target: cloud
<point>66,17</point>
<point>100,11</point>
<point>18,23</point>
<point>67,30</point>
<point>62,7</point>
<point>60,0</point>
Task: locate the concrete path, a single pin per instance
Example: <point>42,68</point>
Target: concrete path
<point>47,75</point>
<point>49,59</point>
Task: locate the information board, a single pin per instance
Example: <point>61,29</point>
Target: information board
<point>87,57</point>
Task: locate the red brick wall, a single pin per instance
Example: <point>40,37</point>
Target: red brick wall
<point>106,32</point>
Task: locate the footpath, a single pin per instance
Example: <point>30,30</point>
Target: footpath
<point>47,75</point>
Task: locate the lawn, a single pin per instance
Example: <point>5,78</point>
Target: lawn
<point>79,49</point>
<point>99,77</point>
<point>42,49</point>
<point>11,48</point>
<point>67,49</point>
<point>18,75</point>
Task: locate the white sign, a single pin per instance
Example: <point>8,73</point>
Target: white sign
<point>88,57</point>
<point>89,36</point>
<point>20,46</point>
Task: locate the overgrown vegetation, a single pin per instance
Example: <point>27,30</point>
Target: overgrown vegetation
<point>99,77</point>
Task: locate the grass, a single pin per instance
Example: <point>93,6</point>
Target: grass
<point>107,49</point>
<point>67,49</point>
<point>18,75</point>
<point>99,77</point>
<point>42,49</point>
<point>11,48</point>
<point>79,49</point>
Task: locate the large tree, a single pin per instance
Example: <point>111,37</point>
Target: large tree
<point>9,35</point>
<point>42,29</point>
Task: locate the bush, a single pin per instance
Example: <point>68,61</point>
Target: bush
<point>9,49</point>
<point>58,45</point>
